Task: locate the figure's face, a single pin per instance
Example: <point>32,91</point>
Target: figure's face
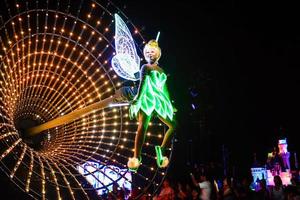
<point>151,54</point>
<point>225,183</point>
<point>202,178</point>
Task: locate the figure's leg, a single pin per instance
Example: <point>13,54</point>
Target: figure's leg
<point>134,163</point>
<point>163,161</point>
<point>141,133</point>
<point>170,132</point>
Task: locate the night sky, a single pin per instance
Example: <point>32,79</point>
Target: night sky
<point>238,64</point>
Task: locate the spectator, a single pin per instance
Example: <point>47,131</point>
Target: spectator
<point>228,193</point>
<point>204,185</point>
<point>134,193</point>
<point>277,192</point>
<point>195,194</point>
<point>166,193</point>
<point>181,192</point>
<point>263,193</point>
<point>244,192</point>
<point>292,193</point>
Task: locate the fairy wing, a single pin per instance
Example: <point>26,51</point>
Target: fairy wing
<point>126,62</point>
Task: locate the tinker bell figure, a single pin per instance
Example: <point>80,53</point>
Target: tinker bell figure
<point>152,99</point>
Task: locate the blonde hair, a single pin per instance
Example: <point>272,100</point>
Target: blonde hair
<point>153,44</point>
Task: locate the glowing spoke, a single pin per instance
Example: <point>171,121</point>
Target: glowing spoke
<point>30,172</point>
<point>43,179</point>
<point>10,149</point>
<point>19,162</point>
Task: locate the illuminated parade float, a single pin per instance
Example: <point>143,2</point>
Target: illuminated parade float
<point>277,164</point>
<point>68,73</point>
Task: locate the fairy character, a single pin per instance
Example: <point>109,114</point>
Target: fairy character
<point>152,98</point>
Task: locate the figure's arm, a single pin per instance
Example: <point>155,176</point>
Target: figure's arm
<point>194,180</point>
<point>143,73</point>
<point>166,91</point>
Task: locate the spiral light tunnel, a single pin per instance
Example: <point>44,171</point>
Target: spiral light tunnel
<point>55,60</point>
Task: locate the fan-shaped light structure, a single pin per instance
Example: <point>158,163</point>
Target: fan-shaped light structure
<point>55,61</point>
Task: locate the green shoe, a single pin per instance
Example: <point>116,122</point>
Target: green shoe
<point>161,161</point>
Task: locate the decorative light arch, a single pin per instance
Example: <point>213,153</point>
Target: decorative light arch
<point>55,60</point>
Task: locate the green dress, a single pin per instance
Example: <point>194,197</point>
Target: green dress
<point>154,97</point>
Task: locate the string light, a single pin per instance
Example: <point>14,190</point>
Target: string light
<point>53,63</point>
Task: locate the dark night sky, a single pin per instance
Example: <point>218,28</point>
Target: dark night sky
<point>243,62</point>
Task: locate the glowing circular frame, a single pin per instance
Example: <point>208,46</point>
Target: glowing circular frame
<point>55,59</point>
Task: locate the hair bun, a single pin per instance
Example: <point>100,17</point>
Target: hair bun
<point>153,43</point>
